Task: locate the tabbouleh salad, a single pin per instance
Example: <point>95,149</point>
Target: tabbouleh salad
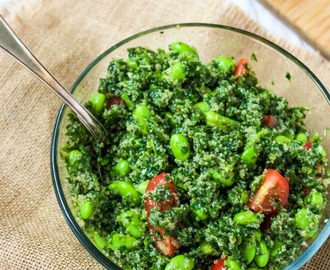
<point>202,168</point>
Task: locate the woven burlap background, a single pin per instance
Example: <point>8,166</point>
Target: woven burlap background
<point>66,35</point>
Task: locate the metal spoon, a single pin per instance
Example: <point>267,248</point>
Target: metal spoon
<point>16,48</point>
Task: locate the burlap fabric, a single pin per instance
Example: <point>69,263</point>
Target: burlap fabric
<point>67,35</point>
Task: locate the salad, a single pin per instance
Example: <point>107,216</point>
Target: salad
<point>203,168</point>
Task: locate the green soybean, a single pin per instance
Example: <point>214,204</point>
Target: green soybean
<point>129,103</point>
<point>132,63</point>
<point>98,101</point>
<point>199,211</point>
<point>122,167</point>
<point>302,218</point>
<point>282,139</point>
<point>302,138</point>
<point>182,47</point>
<point>262,257</point>
<point>141,114</point>
<point>177,71</point>
<point>246,217</point>
<point>86,209</point>
<point>249,247</point>
<point>132,223</point>
<point>142,187</point>
<point>214,119</point>
<point>307,222</point>
<point>180,147</point>
<point>224,63</point>
<point>126,190</point>
<point>226,179</point>
<point>180,262</point>
<point>99,241</point>
<point>120,241</point>
<point>249,156</point>
<point>244,197</point>
<point>232,264</point>
<point>314,199</point>
<point>202,106</point>
<point>169,116</point>
<point>73,159</point>
<point>206,248</point>
<point>276,249</point>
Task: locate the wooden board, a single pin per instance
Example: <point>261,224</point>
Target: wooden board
<point>310,18</point>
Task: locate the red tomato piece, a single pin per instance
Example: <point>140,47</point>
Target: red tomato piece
<point>219,265</point>
<point>116,101</point>
<point>306,190</point>
<point>270,121</point>
<point>241,69</point>
<point>308,145</point>
<point>166,244</point>
<point>275,188</point>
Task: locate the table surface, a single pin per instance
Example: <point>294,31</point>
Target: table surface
<point>253,9</point>
<point>49,252</point>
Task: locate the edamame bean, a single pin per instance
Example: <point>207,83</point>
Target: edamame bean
<point>97,102</point>
<point>202,106</point>
<point>214,119</point>
<point>181,47</point>
<point>177,71</point>
<point>246,217</point>
<point>262,257</point>
<point>249,249</point>
<point>302,218</point>
<point>142,187</point>
<point>206,248</point>
<point>141,114</point>
<point>132,223</point>
<point>231,264</point>
<point>122,167</point>
<point>126,190</point>
<point>302,138</point>
<point>86,209</point>
<point>225,64</point>
<point>180,147</point>
<point>226,179</point>
<point>249,156</point>
<point>180,262</point>
<point>132,63</point>
<point>244,197</point>
<point>198,210</point>
<point>99,241</point>
<point>73,159</point>
<point>119,241</point>
<point>129,103</point>
<point>282,139</point>
<point>315,199</point>
<point>171,119</point>
<point>277,249</point>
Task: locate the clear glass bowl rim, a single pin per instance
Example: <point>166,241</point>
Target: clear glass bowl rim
<point>78,232</point>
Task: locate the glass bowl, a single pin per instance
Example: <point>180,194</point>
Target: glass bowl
<point>273,68</point>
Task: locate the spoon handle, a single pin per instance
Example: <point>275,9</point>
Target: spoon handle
<point>16,48</point>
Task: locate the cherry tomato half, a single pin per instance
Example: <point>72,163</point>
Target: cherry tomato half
<point>270,121</point>
<point>166,244</point>
<point>219,265</point>
<point>275,188</point>
<point>241,69</point>
<point>116,101</point>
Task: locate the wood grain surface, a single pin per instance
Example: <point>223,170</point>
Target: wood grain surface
<point>310,18</point>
